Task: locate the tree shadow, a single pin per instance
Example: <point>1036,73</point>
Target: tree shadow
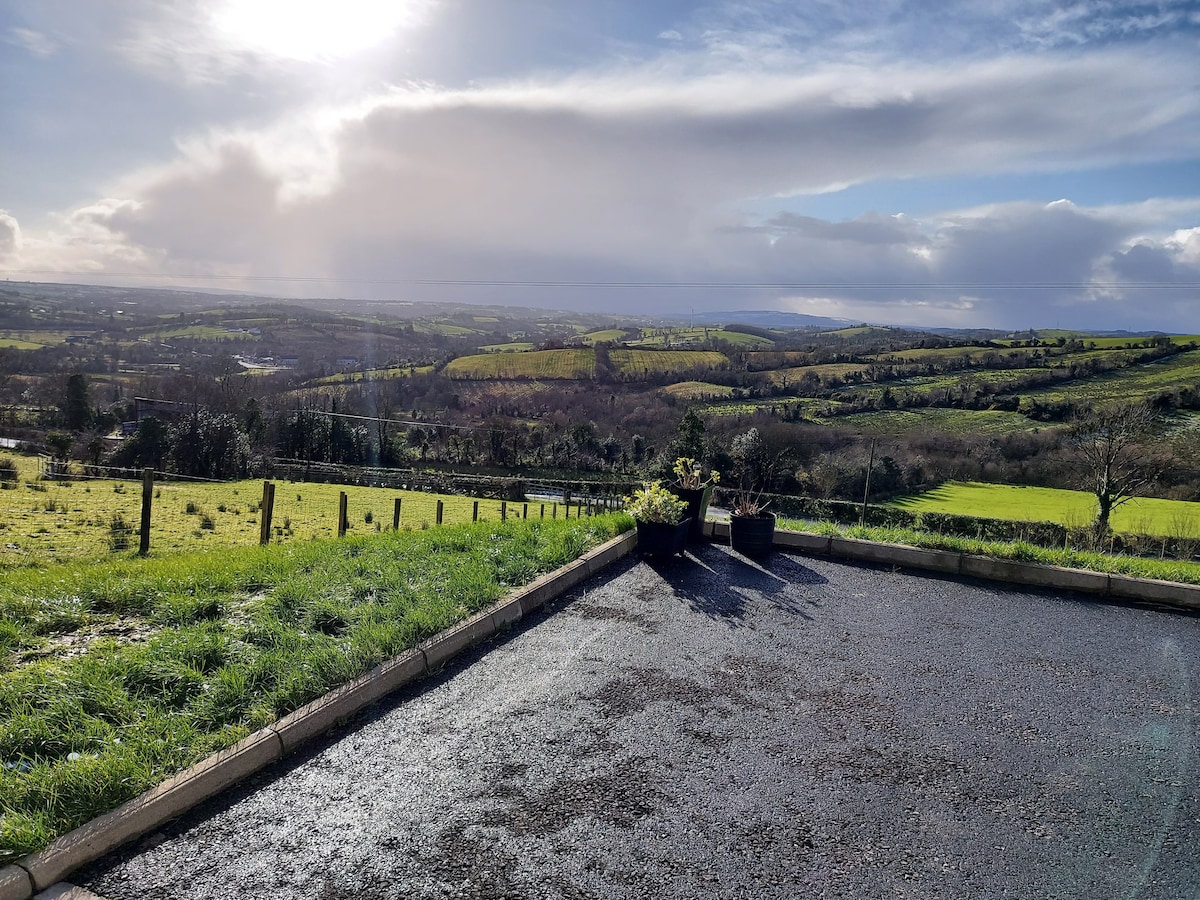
<point>722,585</point>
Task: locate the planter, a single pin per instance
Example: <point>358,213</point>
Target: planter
<point>752,535</point>
<point>662,538</point>
<point>697,501</point>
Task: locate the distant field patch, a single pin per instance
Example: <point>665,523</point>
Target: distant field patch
<point>565,364</point>
<point>12,343</point>
<point>698,390</point>
<point>511,347</point>
<point>608,334</point>
<point>643,363</point>
<point>951,421</point>
<point>1161,518</point>
<point>823,371</point>
<point>374,375</point>
<point>1132,383</point>
<point>442,328</point>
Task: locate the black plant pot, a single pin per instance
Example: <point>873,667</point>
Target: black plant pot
<point>752,535</point>
<point>661,538</point>
<point>697,507</point>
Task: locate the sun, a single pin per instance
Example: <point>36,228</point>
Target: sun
<point>311,30</point>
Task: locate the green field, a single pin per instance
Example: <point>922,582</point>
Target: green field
<point>1161,518</point>
<point>71,520</point>
<point>698,390</point>
<point>608,334</point>
<point>668,337</point>
<point>1130,384</point>
<point>373,375</point>
<point>568,364</point>
<point>633,364</point>
<point>510,347</point>
<point>951,421</point>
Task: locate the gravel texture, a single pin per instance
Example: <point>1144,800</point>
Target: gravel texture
<point>710,727</point>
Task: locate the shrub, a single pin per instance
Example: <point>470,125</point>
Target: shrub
<point>8,470</point>
<point>191,509</point>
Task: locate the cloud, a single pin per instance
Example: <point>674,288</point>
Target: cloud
<point>10,235</point>
<point>643,175</point>
<point>35,42</point>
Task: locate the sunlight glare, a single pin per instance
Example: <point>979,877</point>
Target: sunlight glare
<point>309,30</point>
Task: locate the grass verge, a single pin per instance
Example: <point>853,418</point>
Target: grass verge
<point>1136,566</point>
<point>115,676</point>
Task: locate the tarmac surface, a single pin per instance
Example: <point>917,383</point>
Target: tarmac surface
<point>710,727</point>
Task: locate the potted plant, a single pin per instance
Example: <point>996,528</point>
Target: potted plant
<point>662,525</point>
<point>751,527</point>
<point>695,488</point>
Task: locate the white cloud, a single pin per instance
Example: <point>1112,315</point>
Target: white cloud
<point>37,43</point>
<point>10,235</point>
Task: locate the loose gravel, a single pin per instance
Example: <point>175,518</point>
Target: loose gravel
<point>712,727</point>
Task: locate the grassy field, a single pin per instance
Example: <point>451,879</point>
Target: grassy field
<point>1133,383</point>
<point>698,390</point>
<point>952,421</point>
<point>46,521</point>
<point>640,363</point>
<point>1161,518</point>
<point>373,375</point>
<point>116,675</point>
<point>510,347</point>
<point>566,364</point>
<point>608,334</point>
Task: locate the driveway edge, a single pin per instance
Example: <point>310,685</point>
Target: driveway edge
<point>220,771</point>
<point>1121,587</point>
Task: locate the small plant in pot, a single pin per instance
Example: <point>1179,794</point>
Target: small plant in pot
<point>662,525</point>
<point>751,527</point>
<point>694,486</point>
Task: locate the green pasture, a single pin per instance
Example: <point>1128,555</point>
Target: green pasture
<point>373,375</point>
<point>12,343</point>
<point>640,363</point>
<point>823,370</point>
<point>66,520</point>
<point>608,334</point>
<point>1132,383</point>
<point>564,364</point>
<point>935,419</point>
<point>1143,515</point>
<point>510,347</point>
<point>698,390</point>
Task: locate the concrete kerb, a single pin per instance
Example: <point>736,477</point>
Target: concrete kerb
<point>1123,587</point>
<point>214,774</point>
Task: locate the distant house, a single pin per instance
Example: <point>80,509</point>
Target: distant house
<point>288,362</point>
<point>79,338</point>
<point>347,362</point>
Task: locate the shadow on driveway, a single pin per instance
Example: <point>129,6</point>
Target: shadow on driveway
<point>720,584</point>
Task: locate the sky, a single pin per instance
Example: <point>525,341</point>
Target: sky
<point>979,163</point>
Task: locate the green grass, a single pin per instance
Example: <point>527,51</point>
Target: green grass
<point>116,675</point>
<point>64,520</point>
<point>946,420</point>
<point>1139,567</point>
<point>510,347</point>
<point>608,334</point>
<point>1129,384</point>
<point>566,364</point>
<point>1143,515</point>
<point>634,364</point>
<point>698,390</point>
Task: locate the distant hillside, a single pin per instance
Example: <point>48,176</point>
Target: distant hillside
<point>769,318</point>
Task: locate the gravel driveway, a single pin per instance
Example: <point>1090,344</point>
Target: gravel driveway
<point>706,727</point>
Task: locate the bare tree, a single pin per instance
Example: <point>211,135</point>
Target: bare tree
<point>1115,461</point>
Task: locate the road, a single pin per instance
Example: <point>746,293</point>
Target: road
<point>708,727</point>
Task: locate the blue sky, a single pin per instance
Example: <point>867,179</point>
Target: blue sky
<point>1010,163</point>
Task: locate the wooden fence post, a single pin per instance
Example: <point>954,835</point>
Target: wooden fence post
<point>396,515</point>
<point>503,510</point>
<point>475,511</point>
<point>343,518</point>
<point>543,511</point>
<point>524,510</point>
<point>439,512</point>
<point>265,510</point>
<point>147,500</point>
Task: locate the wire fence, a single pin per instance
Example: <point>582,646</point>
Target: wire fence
<point>65,514</point>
